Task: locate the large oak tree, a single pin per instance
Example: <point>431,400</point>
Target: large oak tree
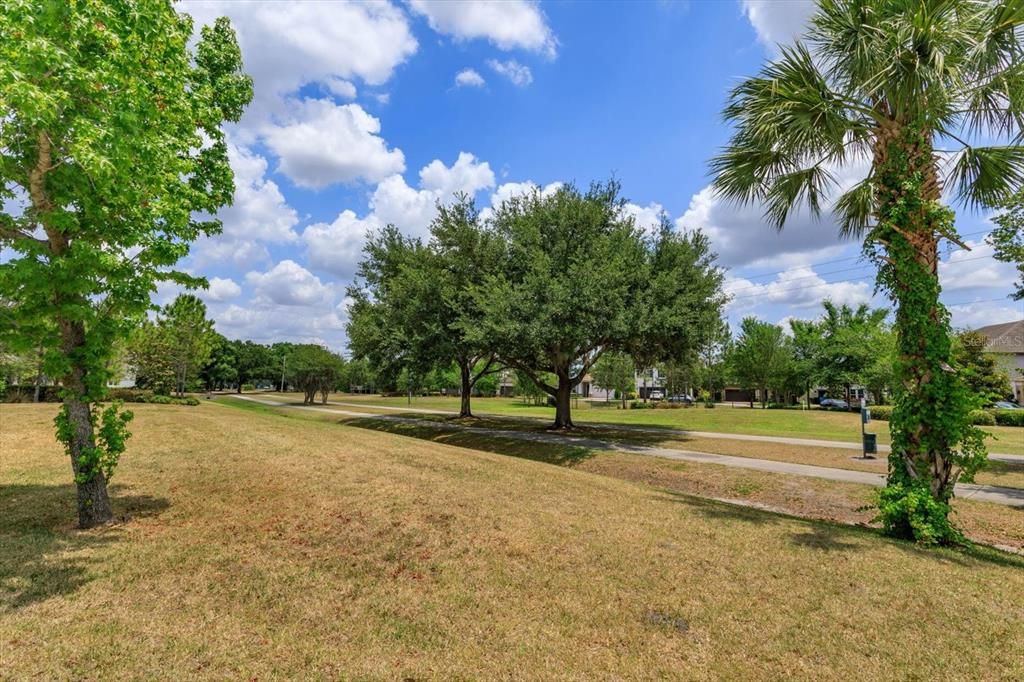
<point>577,278</point>
<point>111,139</point>
<point>413,307</point>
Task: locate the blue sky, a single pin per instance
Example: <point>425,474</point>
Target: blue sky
<point>369,113</point>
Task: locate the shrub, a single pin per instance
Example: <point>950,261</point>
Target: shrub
<point>131,395</point>
<point>909,511</point>
<point>1009,417</point>
<point>881,412</point>
<point>666,405</point>
<point>25,394</point>
<point>981,418</point>
<point>638,405</point>
<point>137,395</point>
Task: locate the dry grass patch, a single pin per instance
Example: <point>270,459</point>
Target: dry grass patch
<point>999,473</point>
<point>258,546</point>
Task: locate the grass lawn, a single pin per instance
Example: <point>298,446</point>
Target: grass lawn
<point>816,424</point>
<point>1006,474</point>
<point>251,545</point>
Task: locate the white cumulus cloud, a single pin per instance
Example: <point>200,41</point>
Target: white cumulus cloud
<point>469,78</point>
<point>647,218</point>
<point>323,143</point>
<point>222,289</point>
<point>286,45</point>
<point>778,22</point>
<point>975,269</point>
<point>259,210</point>
<point>507,24</point>
<point>288,283</point>
<point>518,74</point>
<point>468,174</point>
<point>337,246</point>
<point>794,288</point>
<point>410,209</point>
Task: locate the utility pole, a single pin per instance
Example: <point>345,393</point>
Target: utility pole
<point>284,363</point>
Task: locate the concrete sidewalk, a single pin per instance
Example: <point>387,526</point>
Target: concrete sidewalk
<point>782,440</point>
<point>1007,496</point>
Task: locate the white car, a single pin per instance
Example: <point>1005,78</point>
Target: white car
<point>656,395</point>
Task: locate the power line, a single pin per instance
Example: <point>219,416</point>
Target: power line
<point>984,300</point>
<point>787,290</point>
<point>843,260</point>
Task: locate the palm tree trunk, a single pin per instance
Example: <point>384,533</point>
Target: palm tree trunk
<point>910,225</point>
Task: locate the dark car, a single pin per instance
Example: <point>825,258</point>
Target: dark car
<point>1007,405</point>
<point>833,404</point>
<point>680,399</point>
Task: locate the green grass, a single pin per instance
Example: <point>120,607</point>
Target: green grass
<point>249,545</point>
<point>814,424</point>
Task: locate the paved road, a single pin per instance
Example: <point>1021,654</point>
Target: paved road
<point>1007,496</point>
<point>782,440</point>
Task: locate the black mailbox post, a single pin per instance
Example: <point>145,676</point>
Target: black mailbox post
<point>869,440</point>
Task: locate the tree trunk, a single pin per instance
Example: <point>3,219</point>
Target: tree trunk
<point>93,502</point>
<point>925,436</point>
<point>467,387</point>
<point>563,397</point>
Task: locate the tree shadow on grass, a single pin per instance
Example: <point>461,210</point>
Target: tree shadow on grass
<point>723,511</point>
<point>615,434</point>
<point>550,453</point>
<point>835,537</point>
<point>42,553</point>
<point>822,537</point>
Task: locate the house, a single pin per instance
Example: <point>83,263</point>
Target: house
<point>1006,341</point>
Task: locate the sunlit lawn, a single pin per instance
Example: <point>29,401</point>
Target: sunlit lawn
<point>253,545</point>
<point>815,423</point>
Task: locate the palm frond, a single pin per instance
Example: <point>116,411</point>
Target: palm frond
<point>806,186</point>
<point>984,177</point>
<point>790,123</point>
<point>855,208</point>
<point>996,105</point>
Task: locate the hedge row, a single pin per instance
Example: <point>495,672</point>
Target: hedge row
<point>978,417</point>
<point>51,394</point>
<point>26,394</point>
<point>135,395</point>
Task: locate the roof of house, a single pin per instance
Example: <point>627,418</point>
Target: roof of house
<point>1007,337</point>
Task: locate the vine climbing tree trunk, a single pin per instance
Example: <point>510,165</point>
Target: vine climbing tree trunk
<point>93,501</point>
<point>932,440</point>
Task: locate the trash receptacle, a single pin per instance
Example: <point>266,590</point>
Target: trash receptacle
<point>870,443</point>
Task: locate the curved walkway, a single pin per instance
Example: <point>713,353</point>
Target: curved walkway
<point>782,440</point>
<point>1012,497</point>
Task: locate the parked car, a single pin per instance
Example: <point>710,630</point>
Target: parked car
<point>833,404</point>
<point>1006,405</point>
<point>656,395</point>
<point>680,399</point>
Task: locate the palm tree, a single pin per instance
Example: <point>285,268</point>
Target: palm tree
<point>910,86</point>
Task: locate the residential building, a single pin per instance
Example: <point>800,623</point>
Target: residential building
<point>1006,341</point>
